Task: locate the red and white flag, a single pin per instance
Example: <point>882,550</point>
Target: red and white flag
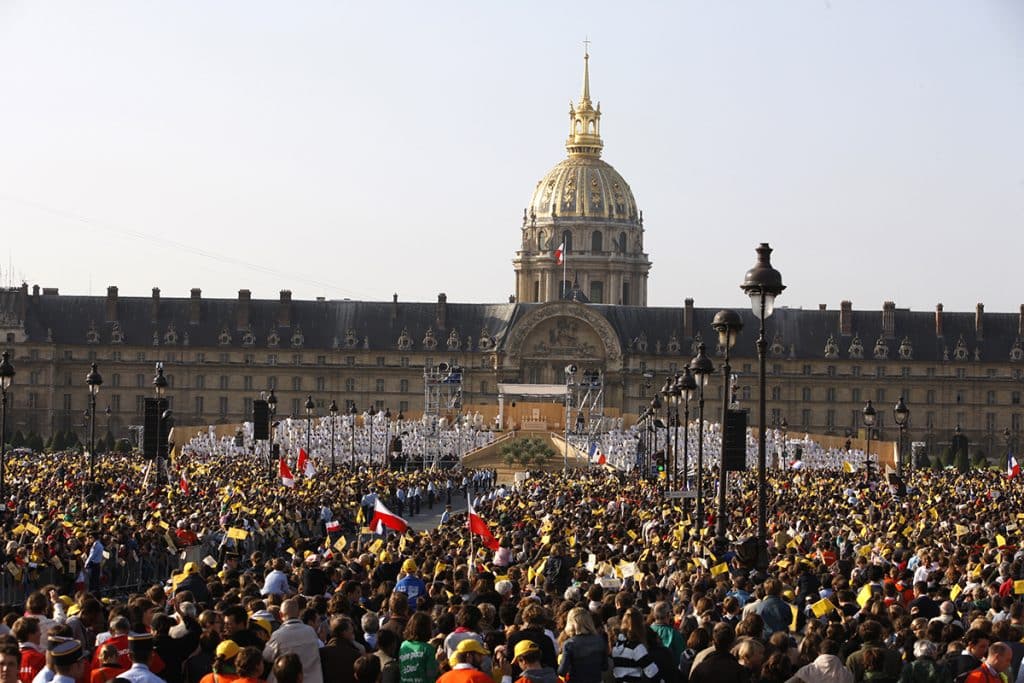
<point>183,483</point>
<point>384,517</point>
<point>1012,467</point>
<point>478,526</point>
<point>286,474</point>
<point>560,253</point>
<point>333,526</point>
<point>601,460</point>
<point>305,464</point>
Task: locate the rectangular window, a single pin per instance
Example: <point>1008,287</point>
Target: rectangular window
<point>776,368</point>
<point>961,373</point>
<point>776,393</point>
<point>200,381</point>
<point>247,382</point>
<point>483,387</point>
<point>92,355</point>
<point>296,359</point>
<point>321,360</point>
<point>596,292</point>
<point>115,379</point>
<point>855,418</point>
<point>69,355</point>
<point>990,422</point>
<point>350,360</point>
<point>380,386</point>
<point>855,371</point>
<point>379,404</point>
<point>225,357</point>
<point>880,371</point>
<point>199,406</point>
<point>880,396</point>
<point>247,407</point>
<point>115,356</point>
<point>350,385</point>
<point>297,383</point>
<point>321,384</point>
<point>223,405</point>
<point>405,361</point>
<point>830,419</point>
<point>855,395</point>
<point>672,368</point>
<point>830,371</point>
<point>271,359</point>
<point>200,357</point>
<point>929,420</point>
<point>807,369</point>
<point>115,403</point>
<point>140,405</point>
<point>223,382</point>
<point>929,396</point>
<point>746,393</point>
<point>248,359</point>
<point>805,393</point>
<point>1015,422</point>
<point>403,406</point>
<point>140,381</point>
<point>991,372</point>
<point>805,416</point>
<point>140,356</point>
<point>272,382</point>
<point>830,394</point>
<point>1015,398</point>
<point>296,408</point>
<point>380,361</point>
<point>990,398</point>
<point>930,372</point>
<point>905,372</point>
<point>776,416</point>
<point>747,369</point>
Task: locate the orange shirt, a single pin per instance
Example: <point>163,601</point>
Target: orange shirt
<point>219,678</point>
<point>104,674</point>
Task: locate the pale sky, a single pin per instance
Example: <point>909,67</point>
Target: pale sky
<point>356,149</point>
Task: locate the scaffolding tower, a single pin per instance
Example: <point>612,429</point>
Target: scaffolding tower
<point>584,405</point>
<point>442,399</point>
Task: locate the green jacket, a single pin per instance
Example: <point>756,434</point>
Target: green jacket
<point>417,662</point>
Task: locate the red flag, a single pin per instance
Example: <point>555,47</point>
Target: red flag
<point>286,474</point>
<point>305,464</point>
<point>183,483</point>
<point>1012,467</point>
<point>478,526</point>
<point>601,460</point>
<point>384,517</point>
<point>560,253</point>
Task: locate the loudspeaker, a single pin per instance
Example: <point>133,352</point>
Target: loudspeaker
<point>153,442</point>
<point>260,420</point>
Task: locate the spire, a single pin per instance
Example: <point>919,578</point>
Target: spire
<point>584,119</point>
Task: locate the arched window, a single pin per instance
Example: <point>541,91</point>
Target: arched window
<point>567,240</point>
<point>622,242</point>
<point>596,242</point>
<point>593,128</point>
<point>579,126</point>
<point>540,240</point>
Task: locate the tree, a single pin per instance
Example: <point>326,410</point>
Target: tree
<point>532,452</point>
<point>18,440</point>
<point>111,442</point>
<point>980,460</point>
<point>56,442</point>
<point>124,446</point>
<point>35,442</point>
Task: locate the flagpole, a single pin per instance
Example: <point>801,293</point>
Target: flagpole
<point>471,553</point>
<point>565,261</point>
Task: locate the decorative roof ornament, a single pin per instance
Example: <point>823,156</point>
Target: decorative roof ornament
<point>248,338</point>
<point>404,340</point>
<point>224,338</point>
<point>298,339</point>
<point>778,347</point>
<point>1017,351</point>
<point>641,342</point>
<point>351,340</point>
<point>273,339</point>
<point>881,349</point>
<point>366,343</point>
<point>454,343</point>
<point>116,335</point>
<point>156,337</point>
<point>486,342</point>
<point>698,339</point>
<point>673,343</point>
<point>171,335</point>
<point>335,343</point>
<point>429,342</point>
<point>960,351</point>
<point>831,348</point>
<point>906,349</point>
<point>185,338</point>
<point>584,119</point>
<point>92,336</point>
<point>657,346</point>
<point>856,350</point>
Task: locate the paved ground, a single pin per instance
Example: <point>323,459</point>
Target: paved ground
<point>429,519</point>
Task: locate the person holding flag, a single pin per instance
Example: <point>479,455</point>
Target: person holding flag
<point>1012,466</point>
<point>287,478</point>
<point>383,517</point>
<point>305,464</point>
<point>478,527</point>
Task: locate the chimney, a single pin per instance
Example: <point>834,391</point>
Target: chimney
<point>442,311</point>
<point>193,307</point>
<point>394,306</point>
<point>35,293</point>
<point>938,320</point>
<point>1020,322</point>
<point>111,304</point>
<point>284,309</point>
<point>155,314</point>
<point>979,315</point>
<point>511,298</point>
<point>846,318</point>
<point>822,307</point>
<point>242,312</point>
<point>888,319</point>
<point>688,318</point>
<point>22,302</point>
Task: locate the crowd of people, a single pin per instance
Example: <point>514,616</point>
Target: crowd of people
<point>592,575</point>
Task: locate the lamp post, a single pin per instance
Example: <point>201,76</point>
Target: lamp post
<point>901,413</point>
<point>785,435</point>
<point>371,412</point>
<point>727,324</point>
<point>687,385</point>
<point>387,438</point>
<point>6,379</point>
<point>701,367</point>
<point>93,380</point>
<point>352,441</point>
<point>653,410</point>
<point>870,414</point>
<point>309,422</point>
<point>666,393</point>
<point>107,413</point>
<point>272,409</point>
<point>160,389</point>
<point>762,284</point>
<point>333,410</point>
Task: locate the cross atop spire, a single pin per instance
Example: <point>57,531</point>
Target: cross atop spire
<point>585,97</point>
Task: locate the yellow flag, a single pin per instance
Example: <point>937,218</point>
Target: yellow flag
<point>439,567</point>
<point>32,529</point>
<point>719,569</point>
<point>955,593</point>
<point>1000,539</point>
<point>847,467</point>
<point>376,546</point>
<point>240,534</point>
<point>961,530</point>
<point>822,607</point>
<point>864,596</point>
<point>360,517</point>
<point>340,544</point>
<point>796,613</point>
<point>1018,587</point>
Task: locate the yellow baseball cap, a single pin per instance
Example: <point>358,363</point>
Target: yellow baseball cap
<point>523,647</point>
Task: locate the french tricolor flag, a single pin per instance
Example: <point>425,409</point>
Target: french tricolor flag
<point>1012,466</point>
<point>560,253</point>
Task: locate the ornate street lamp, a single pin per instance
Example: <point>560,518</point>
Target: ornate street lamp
<point>333,410</point>
<point>762,284</point>
<point>272,408</point>
<point>687,387</point>
<point>901,413</point>
<point>702,369</point>
<point>309,421</point>
<point>870,414</point>
<point>6,380</point>
<point>653,412</point>
<point>160,389</point>
<point>93,380</point>
<point>727,324</point>
<point>352,441</point>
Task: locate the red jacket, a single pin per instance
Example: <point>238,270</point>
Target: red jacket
<point>32,661</point>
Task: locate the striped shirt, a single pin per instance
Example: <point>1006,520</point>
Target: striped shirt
<point>632,662</point>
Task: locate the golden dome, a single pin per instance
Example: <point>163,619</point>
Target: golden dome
<point>583,187</point>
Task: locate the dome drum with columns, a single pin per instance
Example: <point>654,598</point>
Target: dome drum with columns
<point>584,204</point>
